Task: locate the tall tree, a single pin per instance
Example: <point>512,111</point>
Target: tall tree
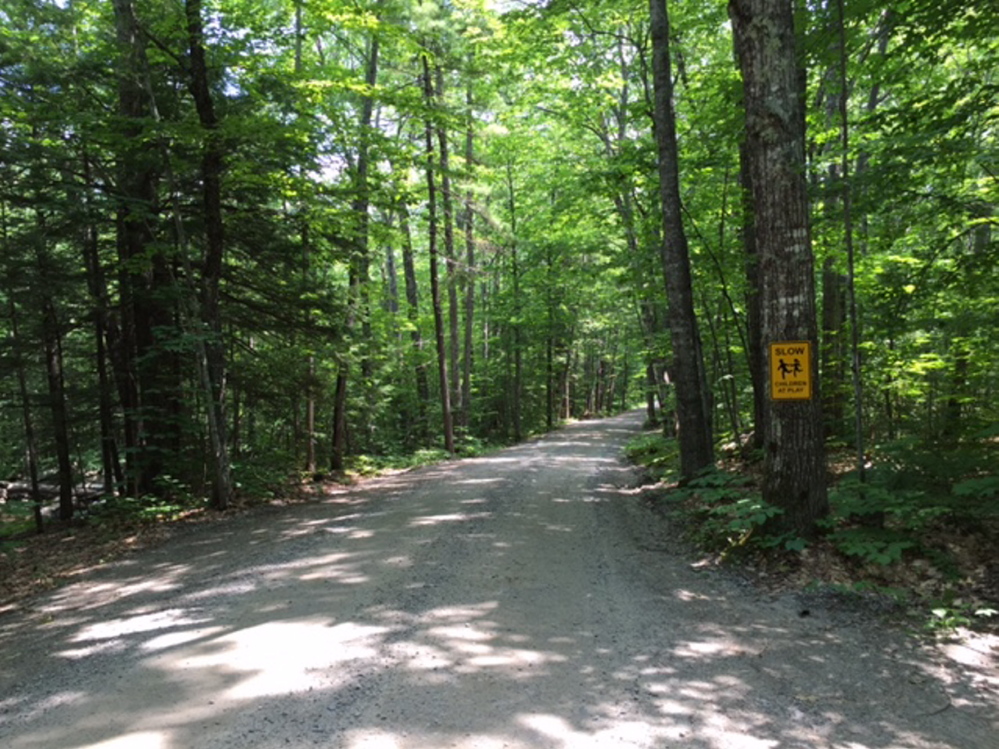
<point>692,395</point>
<point>211,351</point>
<point>468,277</point>
<point>147,374</point>
<point>794,455</point>
<point>360,260</point>
<point>435,290</point>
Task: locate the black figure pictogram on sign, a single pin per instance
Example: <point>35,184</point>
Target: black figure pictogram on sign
<point>791,370</point>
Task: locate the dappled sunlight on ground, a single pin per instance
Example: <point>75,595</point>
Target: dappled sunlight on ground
<point>484,603</point>
<point>273,658</point>
<point>140,740</point>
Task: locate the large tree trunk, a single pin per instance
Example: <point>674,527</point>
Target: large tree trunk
<point>148,374</point>
<point>435,287</point>
<point>794,461</point>
<point>692,397</point>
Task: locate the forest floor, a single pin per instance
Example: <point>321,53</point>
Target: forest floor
<point>936,587</point>
<point>529,598</point>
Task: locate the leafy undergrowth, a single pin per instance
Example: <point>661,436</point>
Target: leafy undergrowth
<point>920,531</point>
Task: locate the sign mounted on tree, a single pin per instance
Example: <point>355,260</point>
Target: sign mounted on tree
<point>791,370</point>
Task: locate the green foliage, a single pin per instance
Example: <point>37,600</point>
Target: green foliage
<point>859,587</point>
<point>950,612</point>
<point>905,509</point>
<point>125,510</point>
<point>739,518</point>
<point>983,491</point>
<point>723,509</point>
<point>658,454</point>
<point>16,521</point>
<point>261,478</point>
<point>371,465</point>
<point>872,545</point>
<point>730,513</point>
<point>173,500</point>
<point>876,523</point>
<point>568,300</point>
<point>916,480</point>
<point>906,496</point>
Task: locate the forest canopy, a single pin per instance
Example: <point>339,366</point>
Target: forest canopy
<point>244,239</point>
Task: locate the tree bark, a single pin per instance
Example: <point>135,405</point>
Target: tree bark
<point>413,315</point>
<point>97,286</point>
<point>754,326</point>
<point>794,460</point>
<point>359,263</point>
<point>212,164</point>
<point>435,287</point>
<point>833,367</point>
<point>57,404</point>
<point>30,440</point>
<point>447,203</point>
<point>468,276</point>
<point>692,397</point>
<point>515,325</point>
<point>148,374</point>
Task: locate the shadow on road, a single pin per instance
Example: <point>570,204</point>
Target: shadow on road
<point>490,602</point>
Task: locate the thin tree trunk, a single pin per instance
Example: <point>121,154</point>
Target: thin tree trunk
<point>754,326</point>
<point>391,303</point>
<point>518,357</point>
<point>339,447</point>
<point>236,409</point>
<point>549,341</point>
<point>447,203</point>
<point>858,392</point>
<point>469,275</point>
<point>834,291</point>
<point>311,386</point>
<point>359,264</point>
<point>212,163</point>
<point>413,315</point>
<point>30,440</point>
<point>57,404</point>
<point>99,299</point>
<point>692,397</point>
<point>435,290</point>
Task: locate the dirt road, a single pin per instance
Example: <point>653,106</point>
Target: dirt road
<point>524,599</point>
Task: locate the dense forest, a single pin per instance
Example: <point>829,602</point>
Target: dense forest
<point>243,239</point>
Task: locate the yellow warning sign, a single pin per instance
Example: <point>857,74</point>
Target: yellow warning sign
<point>791,370</point>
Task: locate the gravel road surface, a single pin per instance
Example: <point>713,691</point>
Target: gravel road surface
<point>523,599</point>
